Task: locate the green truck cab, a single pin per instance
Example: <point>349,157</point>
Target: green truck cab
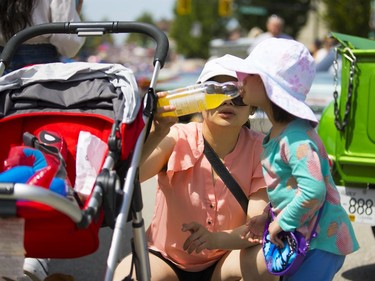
<point>347,128</point>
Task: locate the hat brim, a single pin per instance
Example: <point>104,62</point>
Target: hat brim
<point>235,64</point>
<point>275,92</point>
<point>287,102</point>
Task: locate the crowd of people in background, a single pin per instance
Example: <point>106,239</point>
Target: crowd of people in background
<point>137,58</point>
<point>324,53</point>
<point>275,28</point>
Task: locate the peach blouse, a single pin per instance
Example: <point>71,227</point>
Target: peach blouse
<point>186,192</point>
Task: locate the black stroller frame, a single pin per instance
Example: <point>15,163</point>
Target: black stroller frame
<point>129,195</point>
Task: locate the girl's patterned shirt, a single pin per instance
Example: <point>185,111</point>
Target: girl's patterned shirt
<point>297,172</point>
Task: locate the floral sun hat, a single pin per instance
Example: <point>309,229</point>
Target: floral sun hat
<point>212,69</point>
<point>287,70</point>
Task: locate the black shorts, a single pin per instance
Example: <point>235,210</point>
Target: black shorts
<point>183,275</point>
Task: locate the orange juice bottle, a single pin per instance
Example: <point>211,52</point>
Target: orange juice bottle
<point>199,97</point>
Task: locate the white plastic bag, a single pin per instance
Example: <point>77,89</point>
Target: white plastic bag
<point>90,154</point>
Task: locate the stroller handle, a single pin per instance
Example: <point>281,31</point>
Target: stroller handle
<point>88,29</point>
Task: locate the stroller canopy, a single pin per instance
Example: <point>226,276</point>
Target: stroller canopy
<point>92,87</point>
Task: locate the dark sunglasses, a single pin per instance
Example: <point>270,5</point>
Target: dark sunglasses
<point>237,101</point>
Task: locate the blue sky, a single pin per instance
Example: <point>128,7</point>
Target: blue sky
<point>126,10</point>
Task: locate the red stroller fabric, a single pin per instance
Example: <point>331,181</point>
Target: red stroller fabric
<point>68,99</point>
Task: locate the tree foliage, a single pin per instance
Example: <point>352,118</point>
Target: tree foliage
<point>138,38</point>
<point>348,16</point>
<point>193,32</point>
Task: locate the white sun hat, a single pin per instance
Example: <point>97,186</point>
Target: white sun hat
<point>287,70</point>
<point>212,69</point>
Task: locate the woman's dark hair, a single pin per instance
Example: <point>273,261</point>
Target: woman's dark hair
<point>15,16</point>
<point>280,115</point>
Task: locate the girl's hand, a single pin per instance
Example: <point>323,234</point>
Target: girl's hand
<point>274,229</point>
<point>255,228</point>
<point>200,238</point>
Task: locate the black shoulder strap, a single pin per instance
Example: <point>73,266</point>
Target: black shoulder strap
<point>225,175</point>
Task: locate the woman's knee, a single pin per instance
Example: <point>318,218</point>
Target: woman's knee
<point>253,265</point>
<point>160,270</point>
<point>252,255</point>
<point>123,269</point>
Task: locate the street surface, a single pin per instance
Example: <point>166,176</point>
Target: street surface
<point>359,266</point>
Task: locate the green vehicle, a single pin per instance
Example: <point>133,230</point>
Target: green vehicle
<point>347,128</point>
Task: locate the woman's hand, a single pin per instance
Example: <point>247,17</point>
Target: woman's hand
<point>200,238</point>
<point>162,124</point>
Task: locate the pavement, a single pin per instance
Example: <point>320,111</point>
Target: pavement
<point>359,266</point>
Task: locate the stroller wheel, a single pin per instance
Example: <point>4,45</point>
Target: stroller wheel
<point>36,269</point>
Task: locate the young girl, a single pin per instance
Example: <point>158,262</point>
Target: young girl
<point>276,77</point>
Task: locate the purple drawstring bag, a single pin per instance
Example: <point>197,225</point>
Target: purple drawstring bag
<point>286,260</point>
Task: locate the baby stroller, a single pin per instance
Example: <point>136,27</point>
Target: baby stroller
<point>63,102</point>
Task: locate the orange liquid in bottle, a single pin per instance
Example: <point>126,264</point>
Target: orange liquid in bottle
<point>199,97</point>
<point>187,103</point>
